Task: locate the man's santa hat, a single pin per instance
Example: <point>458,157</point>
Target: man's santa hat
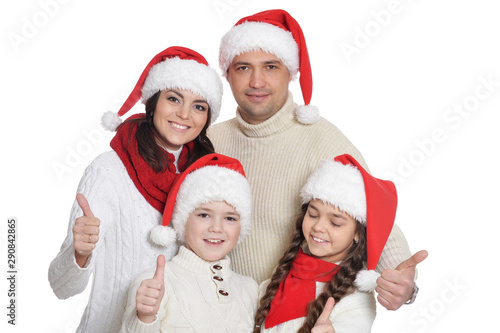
<point>213,177</point>
<point>345,184</point>
<point>174,68</point>
<point>278,33</point>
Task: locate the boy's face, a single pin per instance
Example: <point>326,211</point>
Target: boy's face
<point>212,230</point>
<point>329,232</point>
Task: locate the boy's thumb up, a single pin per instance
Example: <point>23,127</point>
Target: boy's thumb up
<point>160,268</point>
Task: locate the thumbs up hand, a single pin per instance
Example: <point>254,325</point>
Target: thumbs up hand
<point>395,286</point>
<point>150,293</point>
<point>85,232</point>
<point>324,324</point>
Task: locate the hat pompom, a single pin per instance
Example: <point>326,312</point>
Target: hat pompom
<point>163,235</point>
<point>110,121</point>
<point>307,114</point>
<point>366,280</point>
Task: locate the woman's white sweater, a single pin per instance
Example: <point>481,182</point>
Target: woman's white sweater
<point>122,253</point>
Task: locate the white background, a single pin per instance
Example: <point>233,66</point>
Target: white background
<point>412,65</point>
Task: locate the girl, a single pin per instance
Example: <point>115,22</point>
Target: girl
<point>210,208</point>
<point>127,187</point>
<point>347,216</point>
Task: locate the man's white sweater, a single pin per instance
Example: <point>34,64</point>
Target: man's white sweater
<point>278,156</point>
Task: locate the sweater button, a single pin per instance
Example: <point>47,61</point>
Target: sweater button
<point>217,267</point>
<point>218,278</point>
<point>223,292</point>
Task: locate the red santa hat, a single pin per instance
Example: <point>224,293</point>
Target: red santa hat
<point>213,177</point>
<point>276,32</point>
<point>174,68</point>
<point>345,184</point>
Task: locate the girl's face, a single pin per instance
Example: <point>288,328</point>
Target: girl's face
<point>212,230</point>
<point>328,232</point>
<point>179,117</point>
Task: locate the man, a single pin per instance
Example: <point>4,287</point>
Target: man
<point>280,143</point>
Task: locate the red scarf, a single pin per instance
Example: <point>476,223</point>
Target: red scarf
<point>153,186</point>
<point>299,288</point>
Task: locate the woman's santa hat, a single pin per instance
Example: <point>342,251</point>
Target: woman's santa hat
<point>174,68</point>
<point>345,184</point>
<point>278,33</point>
<point>213,177</point>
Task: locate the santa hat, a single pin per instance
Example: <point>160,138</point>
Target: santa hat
<point>213,177</point>
<point>345,184</point>
<point>174,68</point>
<point>278,33</point>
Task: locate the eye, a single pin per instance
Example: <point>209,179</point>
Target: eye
<point>272,67</point>
<point>241,68</point>
<point>173,99</point>
<point>203,215</point>
<point>200,107</point>
<point>335,224</point>
<point>311,215</point>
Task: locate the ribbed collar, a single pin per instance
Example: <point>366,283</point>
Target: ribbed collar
<point>188,260</point>
<point>280,121</point>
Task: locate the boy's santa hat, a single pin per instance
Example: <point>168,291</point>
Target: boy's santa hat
<point>345,184</point>
<point>174,68</point>
<point>276,32</point>
<point>213,177</point>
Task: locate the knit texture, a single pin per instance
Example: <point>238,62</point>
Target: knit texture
<point>192,301</point>
<point>353,313</point>
<point>122,252</point>
<point>278,156</point>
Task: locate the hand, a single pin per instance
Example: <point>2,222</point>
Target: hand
<point>395,286</point>
<point>150,293</point>
<point>85,232</point>
<point>323,324</point>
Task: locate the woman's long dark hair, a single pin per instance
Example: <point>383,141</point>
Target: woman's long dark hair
<point>340,286</point>
<point>148,147</point>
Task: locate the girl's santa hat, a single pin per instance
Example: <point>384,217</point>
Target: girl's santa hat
<point>174,68</point>
<point>345,184</point>
<point>213,177</point>
<point>278,33</point>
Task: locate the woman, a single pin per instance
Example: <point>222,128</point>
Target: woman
<point>127,187</point>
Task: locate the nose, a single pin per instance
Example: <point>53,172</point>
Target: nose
<point>184,111</point>
<point>215,225</point>
<point>319,226</point>
<point>257,80</point>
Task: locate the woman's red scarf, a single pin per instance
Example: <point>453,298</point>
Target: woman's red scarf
<point>152,185</point>
<point>299,288</point>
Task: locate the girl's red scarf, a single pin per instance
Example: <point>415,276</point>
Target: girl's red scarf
<point>153,186</point>
<point>299,288</point>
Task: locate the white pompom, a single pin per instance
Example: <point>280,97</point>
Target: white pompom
<point>110,121</point>
<point>163,236</point>
<point>307,114</point>
<point>366,280</point>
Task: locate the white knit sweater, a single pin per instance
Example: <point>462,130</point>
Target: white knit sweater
<point>278,156</point>
<point>354,313</point>
<point>122,252</point>
<point>193,302</point>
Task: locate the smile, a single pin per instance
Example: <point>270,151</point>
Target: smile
<point>318,240</point>
<point>214,241</point>
<point>178,126</point>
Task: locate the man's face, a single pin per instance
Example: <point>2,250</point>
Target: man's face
<point>259,82</point>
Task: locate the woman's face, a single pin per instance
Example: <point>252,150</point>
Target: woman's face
<point>212,230</point>
<point>328,231</point>
<point>179,117</point>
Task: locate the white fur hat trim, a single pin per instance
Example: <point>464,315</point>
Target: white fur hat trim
<point>110,121</point>
<point>307,114</point>
<point>254,36</point>
<point>185,74</point>
<point>366,280</point>
<point>162,235</point>
<point>340,185</point>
